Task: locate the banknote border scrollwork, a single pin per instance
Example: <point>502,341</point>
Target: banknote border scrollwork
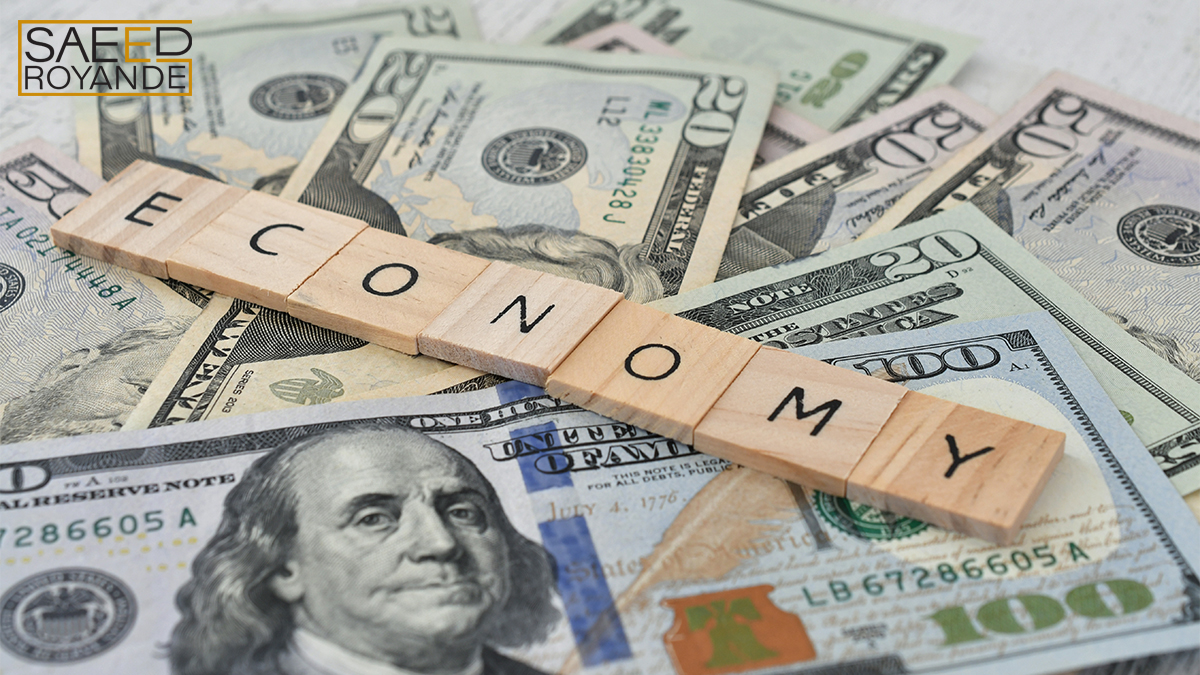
<point>528,408</point>
<point>990,155</point>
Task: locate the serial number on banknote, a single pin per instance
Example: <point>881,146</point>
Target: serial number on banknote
<point>33,237</point>
<point>117,526</point>
<point>640,156</point>
<point>927,577</point>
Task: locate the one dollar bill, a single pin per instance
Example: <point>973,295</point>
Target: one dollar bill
<point>81,339</point>
<point>622,170</point>
<point>956,266</point>
<point>262,89</point>
<point>1102,190</point>
<point>829,193</point>
<point>527,536</point>
<point>836,66</point>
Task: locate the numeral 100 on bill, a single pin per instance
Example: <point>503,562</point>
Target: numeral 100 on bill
<point>998,616</point>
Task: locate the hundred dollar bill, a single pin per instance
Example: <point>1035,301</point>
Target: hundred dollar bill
<point>829,193</point>
<point>1102,190</point>
<point>784,133</point>
<point>956,266</point>
<point>262,88</point>
<point>616,169</point>
<point>81,339</point>
<point>240,358</point>
<point>413,534</point>
<point>836,66</point>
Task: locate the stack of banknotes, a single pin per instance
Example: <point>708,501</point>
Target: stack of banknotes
<point>792,172</point>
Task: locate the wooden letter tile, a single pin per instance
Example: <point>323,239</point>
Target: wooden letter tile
<point>651,369</point>
<point>798,418</point>
<point>262,249</point>
<point>958,467</point>
<point>142,215</point>
<point>384,288</point>
<point>516,322</point>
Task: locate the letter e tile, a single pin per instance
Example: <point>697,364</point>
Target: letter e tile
<point>143,215</point>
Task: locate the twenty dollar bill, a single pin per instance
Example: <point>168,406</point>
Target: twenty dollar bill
<point>240,358</point>
<point>622,170</point>
<point>956,266</point>
<point>836,66</point>
<point>785,132</point>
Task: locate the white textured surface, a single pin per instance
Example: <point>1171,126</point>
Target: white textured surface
<point>1146,50</point>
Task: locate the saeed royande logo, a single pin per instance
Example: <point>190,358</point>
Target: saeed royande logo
<point>104,58</point>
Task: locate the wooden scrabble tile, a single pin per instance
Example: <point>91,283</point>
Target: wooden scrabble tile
<point>384,288</point>
<point>516,322</point>
<point>142,215</point>
<point>262,249</point>
<point>798,419</point>
<point>651,369</point>
<point>958,467</point>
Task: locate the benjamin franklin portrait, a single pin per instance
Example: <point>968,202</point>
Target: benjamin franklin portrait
<point>364,549</point>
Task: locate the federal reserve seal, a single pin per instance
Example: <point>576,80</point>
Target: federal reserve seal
<point>12,286</point>
<point>534,156</point>
<point>299,96</point>
<point>1162,233</point>
<point>65,615</point>
<point>865,522</point>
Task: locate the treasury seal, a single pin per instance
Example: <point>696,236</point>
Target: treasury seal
<point>534,156</point>
<point>1162,233</point>
<point>65,615</point>
<point>12,286</point>
<point>865,522</point>
<point>299,96</point>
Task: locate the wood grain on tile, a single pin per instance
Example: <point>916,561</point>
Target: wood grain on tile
<point>516,322</point>
<point>798,418</point>
<point>143,215</point>
<point>651,369</point>
<point>262,249</point>
<point>384,288</point>
<point>958,467</point>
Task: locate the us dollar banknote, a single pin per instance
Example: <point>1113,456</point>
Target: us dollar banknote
<point>785,132</point>
<point>81,338</point>
<point>836,66</point>
<point>240,358</point>
<point>506,532</point>
<point>956,266</point>
<point>621,170</point>
<point>828,194</point>
<point>1100,189</point>
<point>263,87</point>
